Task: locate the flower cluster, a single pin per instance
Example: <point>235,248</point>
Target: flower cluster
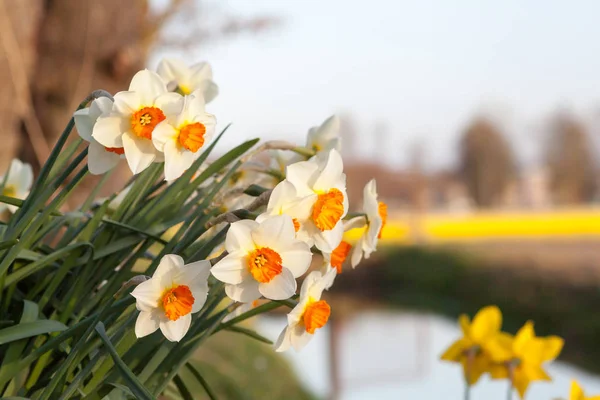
<point>150,123</point>
<point>162,119</point>
<point>485,349</point>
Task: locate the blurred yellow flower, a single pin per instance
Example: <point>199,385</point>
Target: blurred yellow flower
<point>577,393</point>
<point>520,358</point>
<point>472,349</point>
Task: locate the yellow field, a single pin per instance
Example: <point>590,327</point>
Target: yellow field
<point>436,227</point>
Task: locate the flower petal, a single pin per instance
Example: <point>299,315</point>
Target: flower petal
<point>100,160</point>
<point>147,295</point>
<point>486,324</point>
<point>174,331</point>
<point>126,103</point>
<point>140,153</point>
<point>301,175</point>
<point>281,287</point>
<point>244,292</point>
<point>455,351</point>
<point>300,337</point>
<point>176,161</point>
<point>108,131</point>
<point>172,69</point>
<point>171,104</point>
<point>84,123</point>
<point>239,236</point>
<point>168,268</point>
<point>148,85</point>
<point>233,269</point>
<point>296,257</point>
<point>332,173</point>
<point>147,322</point>
<point>283,342</point>
<point>162,134</point>
<point>275,232</point>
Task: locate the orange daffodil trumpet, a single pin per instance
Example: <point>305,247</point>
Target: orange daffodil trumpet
<point>17,183</point>
<point>181,136</point>
<point>188,79</point>
<point>578,394</point>
<point>168,299</point>
<point>100,158</point>
<point>264,260</point>
<point>520,358</point>
<point>310,314</point>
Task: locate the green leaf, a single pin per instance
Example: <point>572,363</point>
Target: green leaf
<point>8,243</point>
<point>43,262</point>
<point>249,333</point>
<point>116,246</point>
<point>138,390</point>
<point>183,390</point>
<point>29,329</point>
<point>202,381</point>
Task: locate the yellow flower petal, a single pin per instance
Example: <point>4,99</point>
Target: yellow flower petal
<point>498,371</point>
<point>455,351</point>
<point>535,372</point>
<point>520,382</point>
<point>486,324</point>
<point>523,339</point>
<point>474,368</point>
<point>464,322</point>
<point>576,392</point>
<point>552,346</point>
<point>500,347</point>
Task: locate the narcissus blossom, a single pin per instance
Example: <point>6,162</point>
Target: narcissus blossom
<point>134,116</point>
<point>521,357</point>
<point>264,260</point>
<point>17,183</point>
<point>188,79</point>
<point>375,220</point>
<point>285,201</point>
<point>323,180</point>
<point>578,394</point>
<point>168,300</point>
<point>100,158</point>
<point>472,351</point>
<point>182,136</point>
<point>325,137</point>
<point>310,314</point>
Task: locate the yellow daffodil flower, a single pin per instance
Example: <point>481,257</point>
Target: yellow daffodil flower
<point>577,393</point>
<point>472,349</point>
<point>520,358</point>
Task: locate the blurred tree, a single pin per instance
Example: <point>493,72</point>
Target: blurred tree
<point>570,162</point>
<point>486,162</point>
<point>54,52</point>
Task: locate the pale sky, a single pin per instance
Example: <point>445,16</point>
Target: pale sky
<point>422,68</point>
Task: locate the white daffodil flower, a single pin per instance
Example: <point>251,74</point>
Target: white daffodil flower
<point>181,137</point>
<point>168,300</point>
<point>323,179</point>
<point>376,216</point>
<point>337,257</point>
<point>100,158</point>
<point>264,260</point>
<point>188,79</point>
<point>285,201</point>
<point>325,137</point>
<point>310,314</point>
<point>134,116</point>
<point>17,183</point>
